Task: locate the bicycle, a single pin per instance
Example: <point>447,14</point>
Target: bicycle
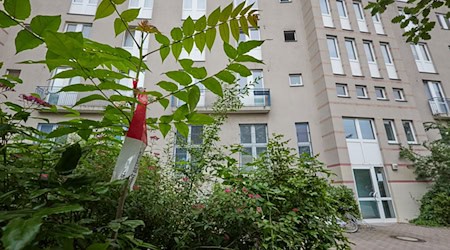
<point>350,225</point>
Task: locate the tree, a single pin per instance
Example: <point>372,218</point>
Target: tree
<point>416,12</point>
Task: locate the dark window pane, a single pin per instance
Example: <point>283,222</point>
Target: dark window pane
<point>196,135</point>
<point>350,129</point>
<point>366,129</point>
<point>260,133</point>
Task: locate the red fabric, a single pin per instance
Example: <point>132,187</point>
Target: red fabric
<point>138,125</point>
<point>135,83</point>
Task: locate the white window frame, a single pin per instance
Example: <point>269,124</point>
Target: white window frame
<point>253,144</point>
<point>378,24</point>
<point>194,11</point>
<point>79,27</point>
<point>188,145</point>
<point>413,132</point>
<point>355,66</point>
<point>134,50</point>
<point>443,21</point>
<point>410,24</point>
<point>383,93</point>
<point>326,14</point>
<point>360,17</point>
<point>388,60</point>
<point>304,144</point>
<point>253,35</point>
<point>285,1</point>
<point>83,7</point>
<point>423,59</point>
<point>300,80</point>
<point>336,63</point>
<point>371,59</point>
<point>364,88</point>
<point>343,14</point>
<point>345,87</point>
<point>401,94</point>
<point>391,124</point>
<point>358,130</point>
<point>146,12</point>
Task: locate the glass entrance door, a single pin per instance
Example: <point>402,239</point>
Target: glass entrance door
<point>374,198</point>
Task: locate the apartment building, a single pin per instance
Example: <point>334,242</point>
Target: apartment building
<point>336,81</point>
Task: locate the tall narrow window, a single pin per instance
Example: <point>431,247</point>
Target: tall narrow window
<point>378,24</point>
<point>341,90</point>
<point>250,86</point>
<point>185,147</point>
<point>410,24</point>
<point>343,15</point>
<point>423,58</point>
<point>388,60</point>
<point>84,28</point>
<point>390,131</point>
<point>194,9</point>
<point>439,103</point>
<point>303,138</point>
<point>353,57</point>
<point>398,94</point>
<point>443,21</point>
<point>362,25</point>
<point>146,7</point>
<point>253,140</point>
<point>335,58</point>
<point>409,131</point>
<point>380,92</point>
<point>371,59</point>
<point>361,92</point>
<point>253,34</point>
<point>326,13</point>
<point>83,7</point>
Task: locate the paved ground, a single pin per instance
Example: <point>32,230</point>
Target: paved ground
<point>379,237</point>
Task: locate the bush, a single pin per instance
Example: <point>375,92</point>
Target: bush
<point>344,200</point>
<point>434,209</point>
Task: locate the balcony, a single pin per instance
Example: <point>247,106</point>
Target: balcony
<point>440,107</point>
<point>256,101</point>
<point>51,95</point>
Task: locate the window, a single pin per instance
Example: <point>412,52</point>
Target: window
<point>303,138</point>
<point>185,146</point>
<point>341,90</point>
<point>443,21</point>
<point>47,128</point>
<point>390,131</point>
<point>194,9</point>
<point>361,91</point>
<point>253,34</point>
<point>437,100</point>
<point>423,58</point>
<point>380,93</point>
<point>336,64</point>
<point>84,28</point>
<point>285,1</point>
<point>353,57</point>
<point>410,24</point>
<point>398,94</point>
<point>289,36</point>
<point>371,59</point>
<point>295,80</point>
<point>326,13</point>
<point>247,3</point>
<point>251,87</point>
<point>378,24</point>
<point>146,7</point>
<point>253,141</point>
<point>13,72</point>
<point>362,25</point>
<point>343,15</point>
<point>83,7</point>
<point>130,45</point>
<point>359,129</point>
<point>409,131</point>
<point>388,61</point>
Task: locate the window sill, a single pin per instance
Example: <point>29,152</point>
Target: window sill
<point>343,96</point>
<point>414,143</point>
<point>364,98</point>
<point>290,41</point>
<point>401,100</point>
<point>377,78</point>
<point>339,74</point>
<point>382,99</point>
<point>393,143</point>
<point>358,76</point>
<point>395,79</point>
<point>299,85</point>
<point>432,73</point>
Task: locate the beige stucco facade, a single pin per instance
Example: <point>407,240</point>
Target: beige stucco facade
<point>315,102</point>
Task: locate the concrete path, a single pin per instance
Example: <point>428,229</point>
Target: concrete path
<point>380,237</point>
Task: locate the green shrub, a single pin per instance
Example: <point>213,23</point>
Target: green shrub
<point>344,200</point>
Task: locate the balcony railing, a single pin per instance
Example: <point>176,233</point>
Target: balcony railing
<point>439,106</point>
<point>52,95</point>
<point>256,100</point>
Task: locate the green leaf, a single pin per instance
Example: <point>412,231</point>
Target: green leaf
<point>188,27</point>
<point>179,76</point>
<point>245,47</point>
<point>181,112</point>
<point>230,51</point>
<point>164,102</point>
<point>162,39</point>
<point>113,85</point>
<point>200,24</point>
<point>177,34</point>
<point>235,30</point>
<point>84,133</point>
<point>200,41</point>
<point>240,69</point>
<point>188,44</point>
<point>70,73</point>
<point>244,25</point>
<point>214,17</point>
<point>176,50</point>
<point>226,76</point>
<point>133,224</point>
<point>168,86</point>
<point>224,31</point>
<point>20,9</point>
<point>247,58</point>
<point>182,128</point>
<point>41,24</point>
<point>164,128</point>
<point>186,64</point>
<point>119,27</point>
<point>193,97</point>
<point>238,9</point>
<point>130,14</point>
<point>104,9</point>
<point>5,20</point>
<point>200,119</point>
<point>61,131</point>
<point>61,209</point>
<point>66,45</point>
<point>226,12</point>
<point>25,40</point>
<point>210,37</point>
<point>78,88</point>
<point>164,51</point>
<point>19,233</point>
<point>198,73</point>
<point>90,98</point>
<point>213,85</point>
<point>66,164</point>
<point>98,246</point>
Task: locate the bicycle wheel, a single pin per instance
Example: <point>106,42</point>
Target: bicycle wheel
<point>351,226</point>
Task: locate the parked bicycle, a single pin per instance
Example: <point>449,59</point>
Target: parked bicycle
<point>349,223</point>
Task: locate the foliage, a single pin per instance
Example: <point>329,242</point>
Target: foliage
<point>344,200</point>
<point>416,12</point>
<point>435,167</point>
